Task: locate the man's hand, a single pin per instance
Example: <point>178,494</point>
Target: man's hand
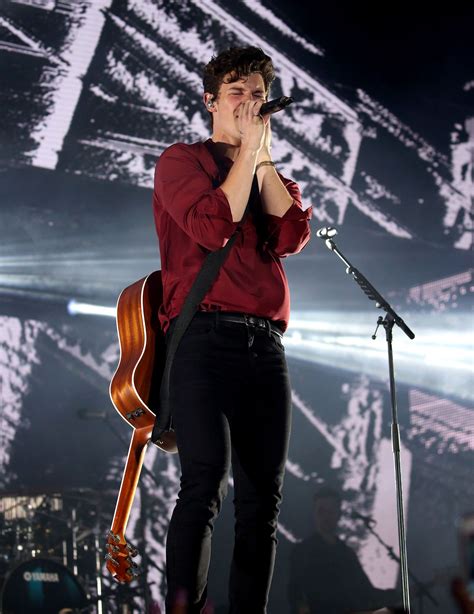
<point>251,125</point>
<point>238,183</point>
<point>265,152</point>
<point>275,198</point>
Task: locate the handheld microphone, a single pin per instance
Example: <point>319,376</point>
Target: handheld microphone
<point>272,106</point>
<point>326,233</point>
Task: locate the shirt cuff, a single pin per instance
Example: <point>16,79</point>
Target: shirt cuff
<point>217,206</point>
<point>294,213</point>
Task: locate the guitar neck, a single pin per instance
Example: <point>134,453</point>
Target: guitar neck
<point>131,475</point>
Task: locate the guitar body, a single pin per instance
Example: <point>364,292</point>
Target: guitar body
<point>134,391</point>
<point>135,385</point>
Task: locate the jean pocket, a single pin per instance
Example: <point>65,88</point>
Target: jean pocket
<point>198,327</point>
<point>194,328</point>
<point>277,341</point>
<point>198,331</point>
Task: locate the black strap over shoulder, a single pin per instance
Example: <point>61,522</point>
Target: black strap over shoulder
<point>201,286</point>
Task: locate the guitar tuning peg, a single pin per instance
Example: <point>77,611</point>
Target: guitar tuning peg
<point>133,565</point>
<point>113,536</point>
<point>135,571</point>
<point>109,557</point>
<point>133,552</point>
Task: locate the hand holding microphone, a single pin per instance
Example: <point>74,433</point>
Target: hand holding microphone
<point>251,125</point>
<point>273,106</point>
<point>266,110</point>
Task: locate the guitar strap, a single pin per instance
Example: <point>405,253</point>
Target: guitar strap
<point>201,286</point>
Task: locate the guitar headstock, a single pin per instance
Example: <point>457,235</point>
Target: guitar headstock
<point>119,555</point>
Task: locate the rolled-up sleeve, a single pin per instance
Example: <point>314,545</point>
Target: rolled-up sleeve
<point>186,193</point>
<point>290,233</point>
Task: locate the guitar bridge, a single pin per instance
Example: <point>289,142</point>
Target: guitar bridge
<point>132,415</point>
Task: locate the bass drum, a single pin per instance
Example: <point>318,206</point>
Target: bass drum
<point>41,586</point>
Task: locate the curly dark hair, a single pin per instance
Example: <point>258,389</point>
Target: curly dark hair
<point>238,62</point>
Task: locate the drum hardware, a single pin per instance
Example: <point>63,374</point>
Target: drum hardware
<point>54,528</point>
<point>13,507</point>
<point>62,529</point>
<point>74,540</point>
<point>85,533</point>
<point>98,573</point>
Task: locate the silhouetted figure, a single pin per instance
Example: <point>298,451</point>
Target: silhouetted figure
<point>326,576</point>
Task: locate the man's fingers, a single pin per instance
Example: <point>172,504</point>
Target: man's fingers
<point>257,106</point>
<point>249,122</point>
<point>251,107</point>
<point>252,112</point>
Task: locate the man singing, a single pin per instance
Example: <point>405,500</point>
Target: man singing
<point>229,389</point>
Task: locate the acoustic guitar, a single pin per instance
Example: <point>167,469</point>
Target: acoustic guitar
<point>134,391</point>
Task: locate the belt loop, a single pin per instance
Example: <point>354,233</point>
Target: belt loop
<point>269,327</point>
<point>218,319</point>
<point>250,330</point>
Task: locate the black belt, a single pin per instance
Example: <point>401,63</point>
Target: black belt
<point>241,318</point>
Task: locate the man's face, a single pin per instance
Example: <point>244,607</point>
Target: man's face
<point>327,512</point>
<point>229,99</point>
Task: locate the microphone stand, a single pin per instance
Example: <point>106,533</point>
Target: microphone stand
<point>391,318</point>
<point>423,590</point>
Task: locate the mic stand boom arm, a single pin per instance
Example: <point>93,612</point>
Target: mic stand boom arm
<point>390,319</point>
<point>370,291</point>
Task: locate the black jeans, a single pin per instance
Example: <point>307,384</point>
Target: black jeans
<point>231,401</point>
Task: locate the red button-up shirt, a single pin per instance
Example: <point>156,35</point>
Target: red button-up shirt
<point>193,217</point>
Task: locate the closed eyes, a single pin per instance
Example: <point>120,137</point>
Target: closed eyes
<point>255,94</point>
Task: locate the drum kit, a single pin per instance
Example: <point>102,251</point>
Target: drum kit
<point>52,552</point>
